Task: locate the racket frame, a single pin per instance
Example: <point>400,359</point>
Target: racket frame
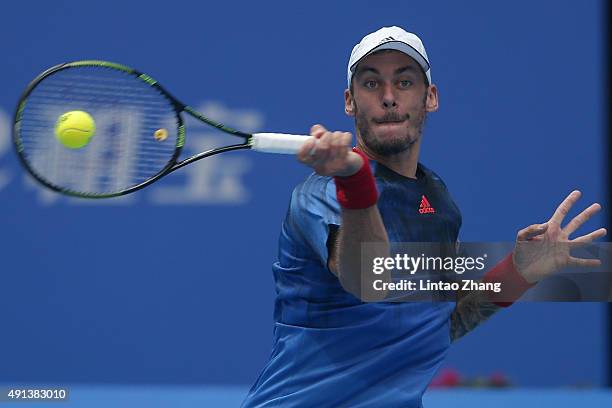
<point>179,107</point>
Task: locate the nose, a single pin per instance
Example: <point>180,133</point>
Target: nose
<point>388,97</point>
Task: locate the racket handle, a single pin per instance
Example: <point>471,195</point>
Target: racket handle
<point>280,143</point>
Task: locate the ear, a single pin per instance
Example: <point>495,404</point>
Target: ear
<point>431,105</point>
<point>349,104</point>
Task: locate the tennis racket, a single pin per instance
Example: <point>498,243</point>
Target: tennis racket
<point>134,130</point>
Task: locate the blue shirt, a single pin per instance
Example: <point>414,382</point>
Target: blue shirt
<point>329,348</point>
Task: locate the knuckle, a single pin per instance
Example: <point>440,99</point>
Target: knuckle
<point>317,131</point>
<point>338,141</point>
<point>323,146</point>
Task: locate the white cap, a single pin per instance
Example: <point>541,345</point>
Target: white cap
<point>389,38</point>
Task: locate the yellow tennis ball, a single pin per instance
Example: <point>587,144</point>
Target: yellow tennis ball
<point>75,129</point>
<point>160,135</point>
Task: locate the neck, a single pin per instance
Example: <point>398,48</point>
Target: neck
<point>404,163</point>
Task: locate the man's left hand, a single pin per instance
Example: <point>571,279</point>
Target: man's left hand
<point>543,249</point>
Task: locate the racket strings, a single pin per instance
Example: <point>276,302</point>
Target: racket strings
<point>122,153</point>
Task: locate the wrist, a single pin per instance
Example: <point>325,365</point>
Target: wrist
<point>512,283</point>
<point>355,163</point>
<point>357,191</point>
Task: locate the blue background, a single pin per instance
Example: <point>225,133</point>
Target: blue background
<point>173,284</point>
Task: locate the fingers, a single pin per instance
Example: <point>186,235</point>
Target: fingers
<point>317,131</point>
<point>339,145</point>
<point>581,218</point>
<point>329,147</point>
<point>583,263</point>
<point>531,232</point>
<point>324,147</point>
<point>308,151</point>
<point>591,236</point>
<point>305,154</point>
<point>565,207</point>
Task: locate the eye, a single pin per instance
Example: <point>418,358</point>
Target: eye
<point>371,84</point>
<point>405,83</point>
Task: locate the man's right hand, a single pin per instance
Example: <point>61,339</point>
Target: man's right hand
<point>330,153</point>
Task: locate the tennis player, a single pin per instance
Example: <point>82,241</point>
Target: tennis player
<point>334,346</point>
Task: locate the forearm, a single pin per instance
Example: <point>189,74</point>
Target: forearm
<point>360,226</point>
<point>472,309</point>
<point>475,307</point>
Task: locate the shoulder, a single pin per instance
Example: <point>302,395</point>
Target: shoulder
<point>440,186</point>
<point>314,200</point>
<point>312,209</point>
<point>432,175</point>
<point>314,184</point>
<point>315,190</point>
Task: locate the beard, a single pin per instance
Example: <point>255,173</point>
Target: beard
<point>392,145</point>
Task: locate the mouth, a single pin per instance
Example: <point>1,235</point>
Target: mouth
<point>389,122</point>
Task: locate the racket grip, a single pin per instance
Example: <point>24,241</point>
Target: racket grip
<point>280,143</point>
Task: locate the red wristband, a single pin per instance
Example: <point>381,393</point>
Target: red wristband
<point>513,285</point>
<point>359,190</point>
